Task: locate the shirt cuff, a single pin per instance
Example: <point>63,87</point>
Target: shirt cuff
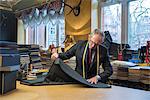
<point>98,77</point>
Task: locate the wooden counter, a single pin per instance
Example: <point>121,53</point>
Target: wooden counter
<point>74,92</point>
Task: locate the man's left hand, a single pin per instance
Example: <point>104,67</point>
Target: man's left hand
<point>93,80</point>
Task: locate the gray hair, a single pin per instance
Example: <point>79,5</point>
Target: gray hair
<point>97,31</point>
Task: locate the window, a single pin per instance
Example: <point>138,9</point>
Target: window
<point>61,35</point>
<point>30,34</point>
<point>94,15</point>
<point>138,23</point>
<point>45,35</point>
<point>111,21</point>
<point>36,35</point>
<point>40,31</point>
<point>51,34</point>
<point>44,25</point>
<point>55,34</point>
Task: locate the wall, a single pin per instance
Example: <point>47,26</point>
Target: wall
<point>94,15</point>
<point>78,26</point>
<point>21,33</point>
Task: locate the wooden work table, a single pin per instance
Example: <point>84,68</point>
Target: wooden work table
<point>74,92</point>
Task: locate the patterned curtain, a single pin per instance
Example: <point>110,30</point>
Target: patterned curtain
<point>48,13</point>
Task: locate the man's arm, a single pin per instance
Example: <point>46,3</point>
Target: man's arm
<point>69,53</point>
<point>107,68</point>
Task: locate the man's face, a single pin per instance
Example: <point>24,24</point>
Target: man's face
<point>95,40</point>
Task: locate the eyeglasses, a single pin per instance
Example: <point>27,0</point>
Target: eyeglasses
<point>93,42</point>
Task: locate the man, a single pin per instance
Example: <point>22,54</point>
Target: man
<point>89,56</point>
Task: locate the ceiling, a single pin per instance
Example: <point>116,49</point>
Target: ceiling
<point>17,5</point>
<point>8,3</point>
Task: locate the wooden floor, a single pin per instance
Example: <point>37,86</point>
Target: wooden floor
<point>74,92</point>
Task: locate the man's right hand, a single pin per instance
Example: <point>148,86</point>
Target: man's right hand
<point>54,56</point>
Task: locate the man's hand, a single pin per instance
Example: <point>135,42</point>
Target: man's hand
<point>93,80</point>
<point>54,54</point>
<point>54,50</point>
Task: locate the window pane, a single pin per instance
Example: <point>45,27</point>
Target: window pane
<point>30,35</point>
<point>51,31</point>
<point>41,35</point>
<point>139,23</point>
<point>36,35</point>
<point>54,37</point>
<point>111,21</point>
<point>94,15</point>
<point>61,35</point>
<point>94,19</point>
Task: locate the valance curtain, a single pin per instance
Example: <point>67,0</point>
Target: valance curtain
<point>44,14</point>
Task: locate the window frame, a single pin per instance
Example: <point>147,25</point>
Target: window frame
<point>124,17</point>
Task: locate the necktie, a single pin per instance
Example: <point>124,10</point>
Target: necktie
<point>90,56</point>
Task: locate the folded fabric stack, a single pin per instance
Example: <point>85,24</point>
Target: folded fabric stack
<point>120,69</point>
<point>24,61</point>
<point>9,64</point>
<point>145,75</point>
<point>45,58</point>
<point>134,74</point>
<point>35,60</point>
<point>122,73</point>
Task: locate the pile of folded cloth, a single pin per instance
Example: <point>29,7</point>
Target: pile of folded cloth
<point>145,75</point>
<point>120,69</point>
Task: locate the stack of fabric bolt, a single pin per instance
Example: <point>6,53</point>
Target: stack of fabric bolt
<point>9,64</point>
<point>120,69</point>
<point>35,57</point>
<point>145,75</point>
<point>134,74</point>
<point>24,61</point>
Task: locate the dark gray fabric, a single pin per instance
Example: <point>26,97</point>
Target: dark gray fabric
<point>77,77</point>
<point>61,73</point>
<point>40,81</point>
